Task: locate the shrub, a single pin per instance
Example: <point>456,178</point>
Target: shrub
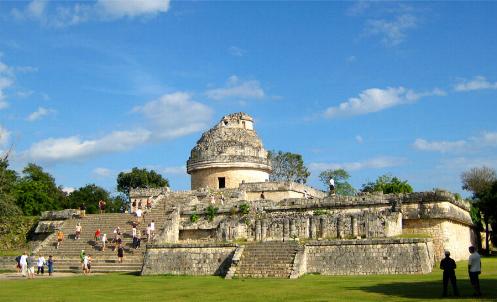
<point>194,217</point>
<point>211,212</point>
<point>244,208</point>
<point>319,212</point>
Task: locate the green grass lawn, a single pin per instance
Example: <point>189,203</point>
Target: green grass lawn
<point>122,287</point>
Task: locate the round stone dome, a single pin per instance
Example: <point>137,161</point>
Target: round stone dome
<point>228,154</point>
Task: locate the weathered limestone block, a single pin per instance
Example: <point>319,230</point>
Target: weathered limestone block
<point>48,226</point>
<point>59,215</point>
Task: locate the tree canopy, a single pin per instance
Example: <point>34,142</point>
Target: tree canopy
<point>340,176</point>
<point>140,178</point>
<point>387,184</point>
<point>478,180</point>
<point>8,179</point>
<point>288,167</point>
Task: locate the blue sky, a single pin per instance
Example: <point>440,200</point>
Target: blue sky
<point>89,89</point>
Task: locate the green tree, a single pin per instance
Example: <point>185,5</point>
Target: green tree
<point>8,179</point>
<point>342,186</point>
<point>480,181</point>
<point>387,184</point>
<point>140,178</point>
<point>90,195</point>
<point>36,192</point>
<point>288,167</point>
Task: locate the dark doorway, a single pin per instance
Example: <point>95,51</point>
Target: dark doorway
<point>222,182</point>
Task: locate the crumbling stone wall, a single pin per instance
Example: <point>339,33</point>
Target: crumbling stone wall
<point>366,257</point>
<point>188,259</point>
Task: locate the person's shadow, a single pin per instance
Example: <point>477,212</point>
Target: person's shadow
<point>432,289</point>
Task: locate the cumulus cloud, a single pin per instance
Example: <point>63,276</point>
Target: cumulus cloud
<point>175,114</point>
<point>74,148</point>
<point>485,140</point>
<point>171,116</point>
<point>73,13</point>
<point>4,136</point>
<point>39,113</point>
<point>376,99</point>
<point>6,81</point>
<point>102,172</point>
<point>236,51</point>
<point>236,88</point>
<point>392,31</point>
<point>477,83</point>
<point>374,163</point>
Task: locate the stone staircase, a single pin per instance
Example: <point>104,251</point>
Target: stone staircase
<point>267,259</point>
<point>66,257</point>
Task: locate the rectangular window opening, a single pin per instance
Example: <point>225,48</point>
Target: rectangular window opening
<point>221,182</point>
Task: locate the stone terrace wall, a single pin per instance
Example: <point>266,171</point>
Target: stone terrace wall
<point>8,263</point>
<point>278,190</point>
<point>365,257</point>
<point>188,259</point>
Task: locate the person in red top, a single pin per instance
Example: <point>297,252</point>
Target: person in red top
<point>101,206</point>
<point>97,235</point>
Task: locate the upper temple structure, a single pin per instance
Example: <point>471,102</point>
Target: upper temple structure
<point>228,154</point>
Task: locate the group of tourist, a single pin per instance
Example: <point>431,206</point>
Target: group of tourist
<point>25,265</point>
<point>85,262</point>
<point>448,265</point>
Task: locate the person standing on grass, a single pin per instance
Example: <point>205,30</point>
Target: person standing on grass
<point>50,265</point>
<point>448,265</point>
<point>31,266</point>
<point>85,264</point>
<point>41,265</point>
<point>474,270</point>
<point>120,253</point>
<point>18,263</point>
<point>24,263</point>
<point>88,266</point>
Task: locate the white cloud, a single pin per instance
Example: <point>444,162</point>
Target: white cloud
<point>171,116</point>
<point>102,172</point>
<point>439,146</point>
<point>68,190</point>
<point>235,88</point>
<point>475,143</point>
<point>376,99</point>
<point>133,8</point>
<point>6,81</point>
<point>477,83</point>
<point>70,13</point>
<point>4,136</point>
<point>236,51</point>
<point>374,163</point>
<point>392,32</point>
<point>73,148</point>
<point>175,114</point>
<point>39,113</point>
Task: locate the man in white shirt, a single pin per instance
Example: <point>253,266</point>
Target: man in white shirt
<point>24,263</point>
<point>474,269</point>
<point>332,186</point>
<point>41,265</point>
<point>138,214</point>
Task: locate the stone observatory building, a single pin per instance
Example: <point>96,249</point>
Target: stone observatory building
<point>228,155</point>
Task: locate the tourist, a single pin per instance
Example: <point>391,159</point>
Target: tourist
<point>306,195</point>
<point>133,206</point>
<point>149,204</point>
<point>448,265</point>
<point>60,238</point>
<point>50,265</point>
<point>97,235</point>
<point>31,266</point>
<point>140,204</point>
<point>222,199</point>
<point>148,233</point>
<point>138,214</point>
<point>262,195</point>
<point>82,258</point>
<point>152,229</point>
<point>332,186</point>
<point>101,206</point>
<point>133,231</point>
<point>82,210</point>
<point>24,263</point>
<point>474,270</point>
<point>18,263</point>
<point>78,231</point>
<point>104,240</point>
<point>120,253</point>
<point>88,265</point>
<point>85,264</point>
<point>213,199</point>
<point>41,265</point>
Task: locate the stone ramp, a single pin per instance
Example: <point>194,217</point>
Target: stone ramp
<point>67,258</point>
<point>272,259</point>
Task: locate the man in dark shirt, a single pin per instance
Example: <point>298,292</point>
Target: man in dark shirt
<point>448,265</point>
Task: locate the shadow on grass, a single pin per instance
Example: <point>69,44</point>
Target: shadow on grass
<point>430,289</point>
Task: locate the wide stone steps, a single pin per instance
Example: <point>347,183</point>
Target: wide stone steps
<point>267,260</point>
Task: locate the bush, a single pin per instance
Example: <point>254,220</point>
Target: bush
<point>211,212</point>
<point>319,212</point>
<point>194,217</point>
<point>244,208</point>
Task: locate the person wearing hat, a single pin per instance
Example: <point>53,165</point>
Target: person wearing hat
<point>448,265</point>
